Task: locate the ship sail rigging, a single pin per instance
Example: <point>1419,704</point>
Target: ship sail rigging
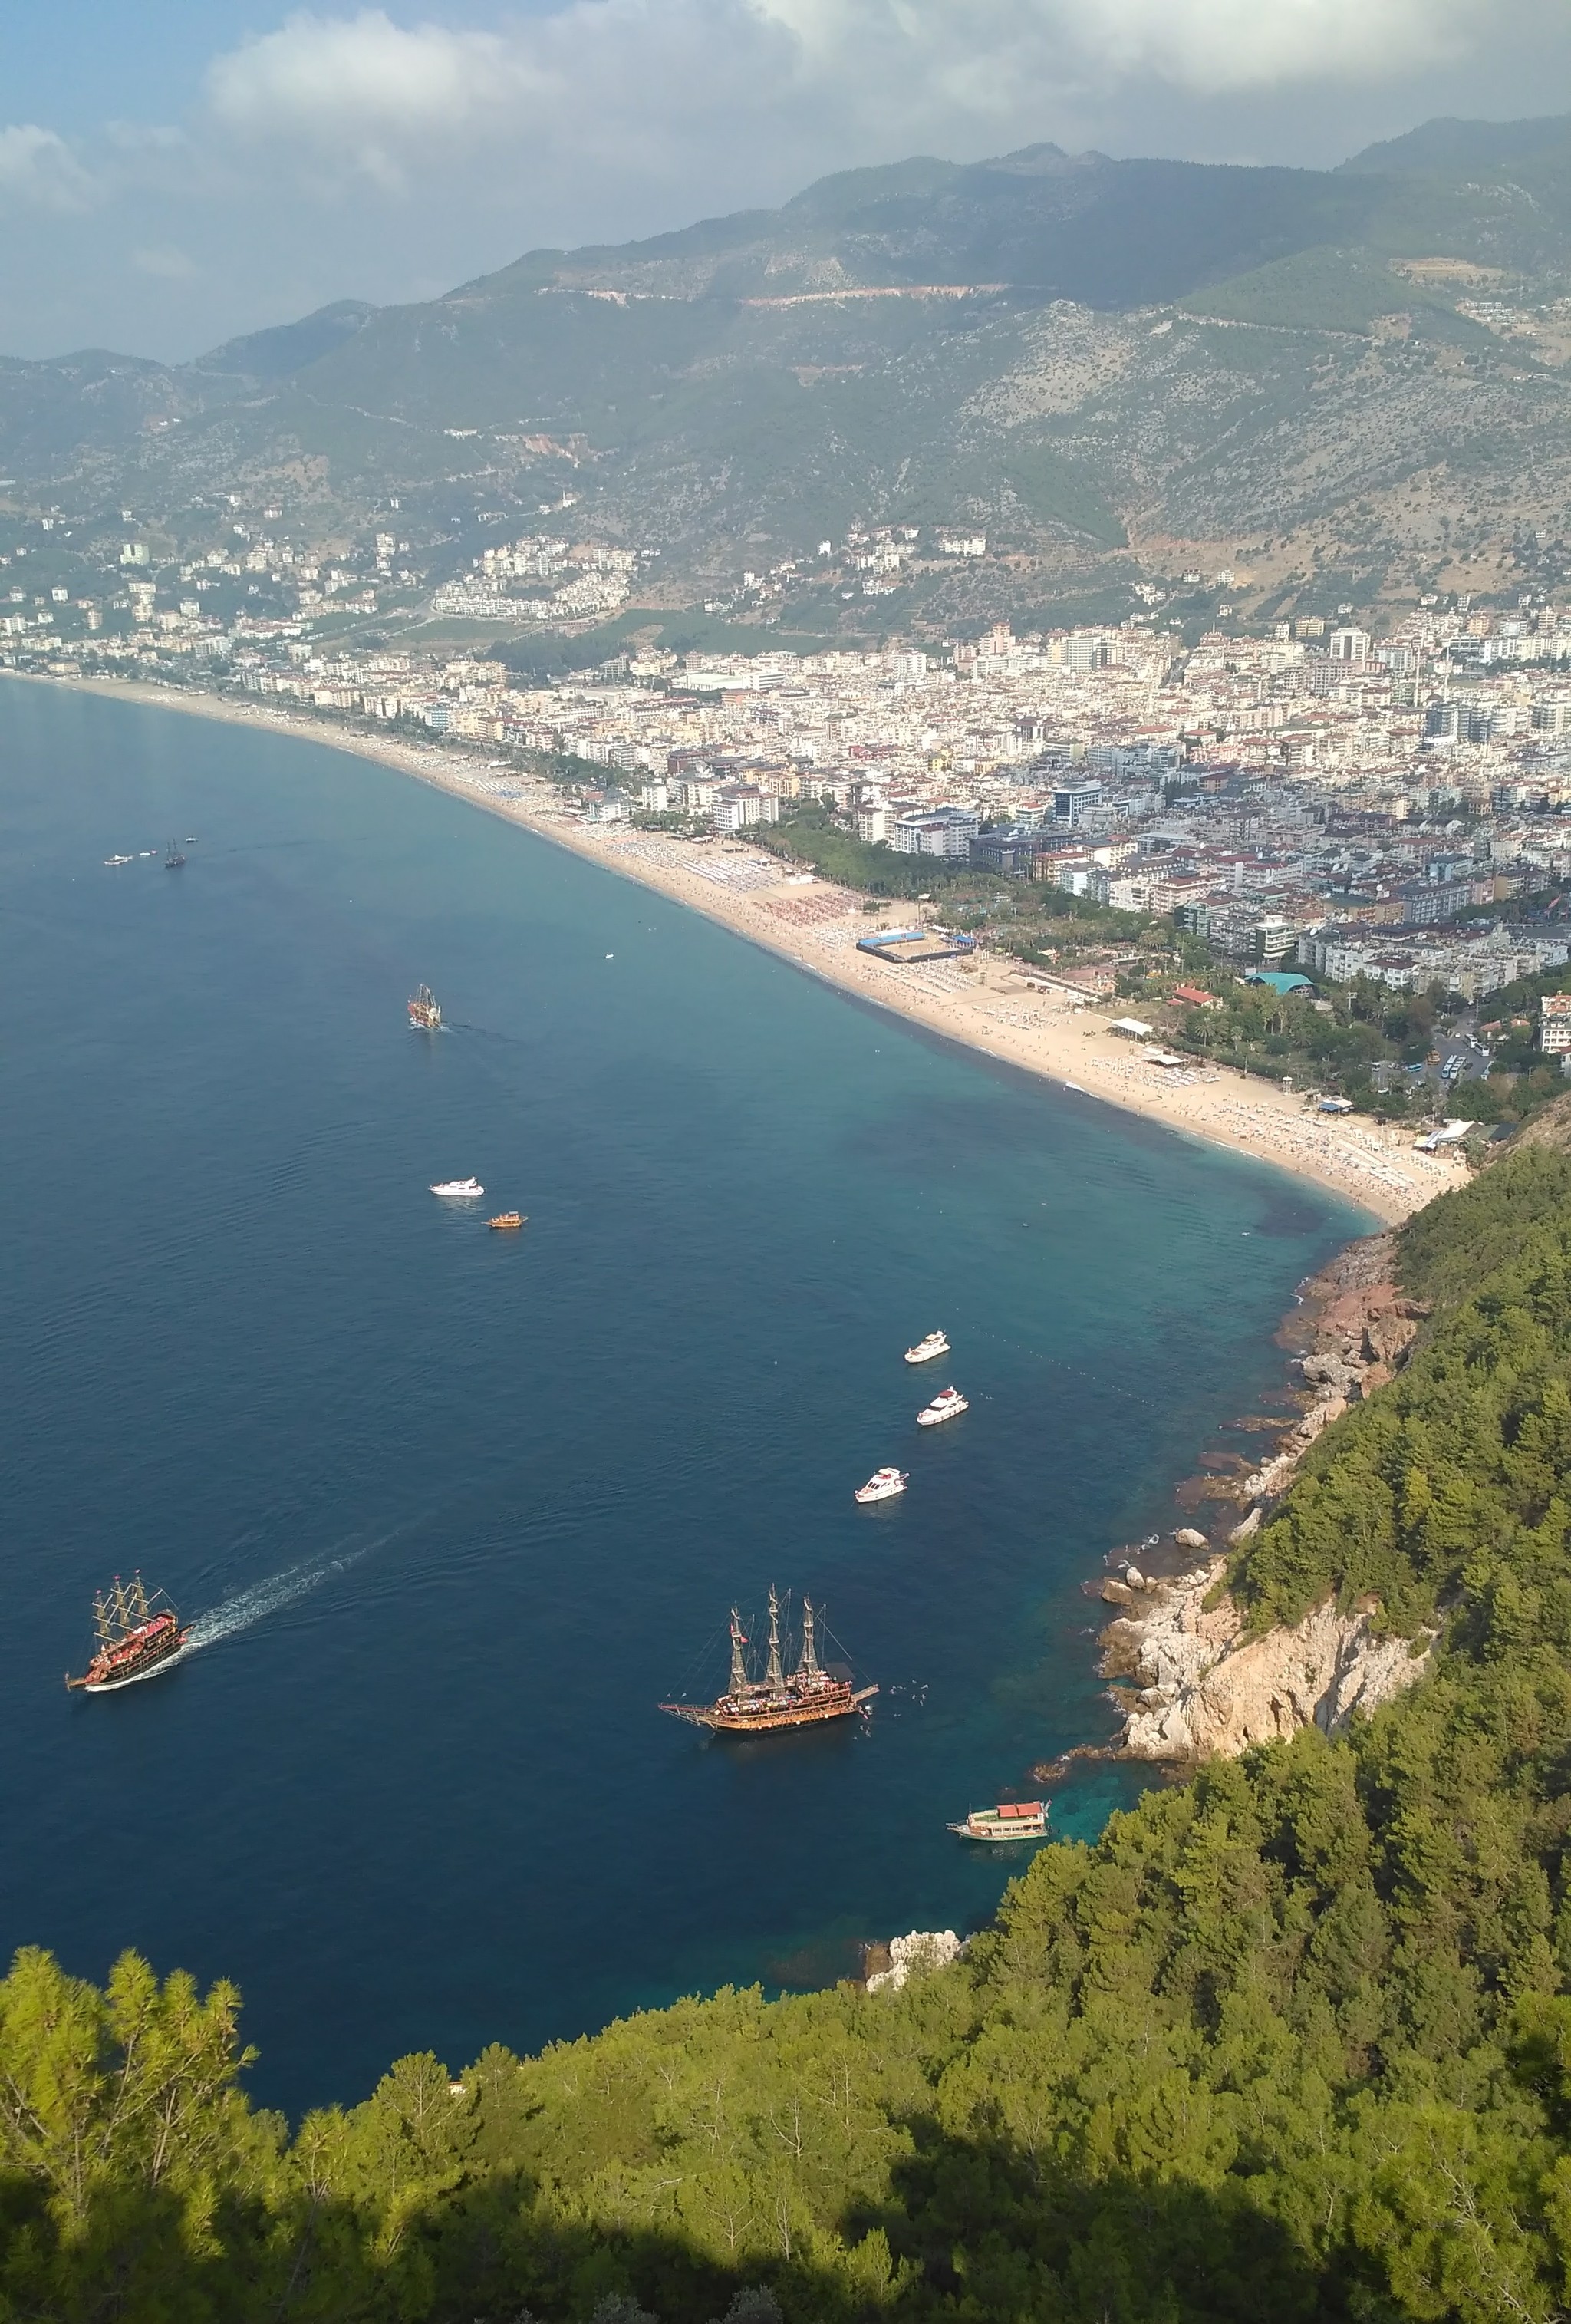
<point>807,1697</point>
<point>774,1676</point>
<point>134,1633</point>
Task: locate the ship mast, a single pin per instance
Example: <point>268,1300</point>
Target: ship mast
<point>101,1620</point>
<point>139,1599</point>
<point>807,1668</point>
<point>774,1676</point>
<point>739,1662</point>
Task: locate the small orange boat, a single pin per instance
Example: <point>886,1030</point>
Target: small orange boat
<point>507,1219</point>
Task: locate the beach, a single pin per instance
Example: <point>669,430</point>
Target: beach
<point>986,1002</point>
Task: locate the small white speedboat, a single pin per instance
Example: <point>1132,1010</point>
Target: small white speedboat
<point>936,1344</point>
<point>947,1405</point>
<point>464,1188</point>
<point>882,1486</point>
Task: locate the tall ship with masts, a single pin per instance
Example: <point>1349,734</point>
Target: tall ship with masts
<point>136,1634</point>
<point>425,1010</point>
<point>752,1706</point>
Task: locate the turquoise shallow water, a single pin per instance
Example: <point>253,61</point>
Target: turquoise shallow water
<point>454,1509</point>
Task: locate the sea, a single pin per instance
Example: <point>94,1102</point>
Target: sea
<point>452,1512</point>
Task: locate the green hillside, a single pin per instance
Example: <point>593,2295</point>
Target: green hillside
<point>1333,289</point>
<point>1449,148</point>
<point>1292,2041</point>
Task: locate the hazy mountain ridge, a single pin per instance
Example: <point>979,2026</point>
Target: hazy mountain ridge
<point>1365,366</point>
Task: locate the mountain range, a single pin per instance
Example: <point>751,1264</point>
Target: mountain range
<point>1351,384</point>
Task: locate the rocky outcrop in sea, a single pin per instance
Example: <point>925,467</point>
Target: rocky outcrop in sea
<point>917,1955</point>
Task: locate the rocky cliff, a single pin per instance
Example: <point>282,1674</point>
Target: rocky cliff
<point>1203,1688</point>
<point>1205,1691</point>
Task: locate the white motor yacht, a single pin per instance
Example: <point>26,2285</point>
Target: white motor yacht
<point>936,1344</point>
<point>466,1188</point>
<point>882,1486</point>
<point>947,1405</point>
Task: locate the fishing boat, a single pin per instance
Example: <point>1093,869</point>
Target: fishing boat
<point>936,1344</point>
<point>424,1009</point>
<point>506,1220</point>
<point>760,1706</point>
<point>947,1405</point>
<point>174,859</point>
<point>882,1485</point>
<point>136,1634</point>
<point>1010,1820</point>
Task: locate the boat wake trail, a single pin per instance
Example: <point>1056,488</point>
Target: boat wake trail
<point>485,1033</point>
<point>248,1606</point>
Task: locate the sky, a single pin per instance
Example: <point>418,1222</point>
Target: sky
<point>173,172</point>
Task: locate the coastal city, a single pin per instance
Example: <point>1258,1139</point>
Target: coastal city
<point>1333,859</point>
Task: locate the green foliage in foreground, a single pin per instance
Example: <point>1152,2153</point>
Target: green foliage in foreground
<point>1291,2041</point>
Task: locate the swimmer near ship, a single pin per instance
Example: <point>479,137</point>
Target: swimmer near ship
<point>137,1636</point>
<point>751,1706</point>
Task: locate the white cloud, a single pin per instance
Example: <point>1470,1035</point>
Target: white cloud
<point>629,78</point>
<point>362,91</point>
<point>1215,45</point>
<point>166,262</point>
<point>39,170</point>
<point>991,51</point>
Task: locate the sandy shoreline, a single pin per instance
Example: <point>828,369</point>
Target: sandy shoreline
<point>988,1006</point>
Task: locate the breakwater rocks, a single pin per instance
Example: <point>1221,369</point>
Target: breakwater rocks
<point>1205,1690</point>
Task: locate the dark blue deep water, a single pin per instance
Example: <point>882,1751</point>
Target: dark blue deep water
<point>453,1510</point>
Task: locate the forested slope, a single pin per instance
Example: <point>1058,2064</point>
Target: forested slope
<point>1292,2041</point>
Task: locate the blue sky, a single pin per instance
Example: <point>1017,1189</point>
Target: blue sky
<point>175,171</point>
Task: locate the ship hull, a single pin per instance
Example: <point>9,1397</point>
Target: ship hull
<point>723,1721</point>
<point>146,1665</point>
